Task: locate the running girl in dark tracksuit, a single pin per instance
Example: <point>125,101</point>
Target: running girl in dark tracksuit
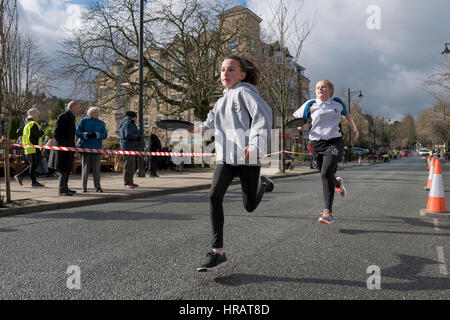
<point>241,121</point>
<point>325,113</point>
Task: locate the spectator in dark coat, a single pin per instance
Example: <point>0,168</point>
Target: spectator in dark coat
<point>155,146</point>
<point>130,139</point>
<point>64,135</point>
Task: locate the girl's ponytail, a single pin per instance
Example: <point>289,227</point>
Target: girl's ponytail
<point>247,66</point>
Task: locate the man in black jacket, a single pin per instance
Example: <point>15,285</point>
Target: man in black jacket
<point>64,135</point>
<point>155,146</point>
<point>130,139</point>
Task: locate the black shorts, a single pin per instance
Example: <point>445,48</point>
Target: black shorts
<point>333,146</point>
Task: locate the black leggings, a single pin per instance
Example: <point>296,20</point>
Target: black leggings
<point>327,165</point>
<point>34,160</point>
<point>252,193</point>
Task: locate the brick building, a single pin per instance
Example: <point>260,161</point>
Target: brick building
<point>247,42</point>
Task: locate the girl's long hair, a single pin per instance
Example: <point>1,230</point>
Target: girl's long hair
<point>247,66</point>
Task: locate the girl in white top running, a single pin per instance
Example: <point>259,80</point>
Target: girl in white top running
<point>325,113</point>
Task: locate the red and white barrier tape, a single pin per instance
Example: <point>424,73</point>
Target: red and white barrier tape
<point>284,151</point>
<point>135,153</point>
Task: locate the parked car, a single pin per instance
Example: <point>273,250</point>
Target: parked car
<point>404,153</point>
<point>423,152</point>
<point>359,151</point>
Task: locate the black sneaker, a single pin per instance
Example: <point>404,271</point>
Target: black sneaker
<point>268,182</point>
<point>66,194</point>
<point>215,261</point>
<point>37,184</point>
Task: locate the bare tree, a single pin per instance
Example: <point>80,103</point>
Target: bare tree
<point>280,64</point>
<point>26,76</point>
<point>438,83</point>
<point>407,132</point>
<point>25,73</point>
<point>184,43</point>
<point>8,36</point>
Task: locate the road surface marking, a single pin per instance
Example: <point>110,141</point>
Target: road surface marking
<point>436,224</point>
<point>441,259</point>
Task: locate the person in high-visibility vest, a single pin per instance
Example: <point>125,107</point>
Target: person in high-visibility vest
<point>31,135</point>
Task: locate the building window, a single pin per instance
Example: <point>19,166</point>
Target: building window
<point>289,63</point>
<point>177,97</point>
<point>153,62</point>
<point>291,84</point>
<point>290,103</point>
<point>119,68</point>
<point>252,45</point>
<point>103,93</point>
<point>146,122</point>
<point>232,43</point>
<point>278,57</point>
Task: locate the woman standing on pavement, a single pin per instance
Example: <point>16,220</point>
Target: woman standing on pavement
<point>91,131</point>
<point>242,121</point>
<point>327,145</point>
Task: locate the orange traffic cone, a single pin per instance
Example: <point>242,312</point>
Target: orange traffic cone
<point>436,198</point>
<point>430,175</point>
<point>359,161</point>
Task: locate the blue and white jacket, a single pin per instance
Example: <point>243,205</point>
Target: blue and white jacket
<point>90,124</point>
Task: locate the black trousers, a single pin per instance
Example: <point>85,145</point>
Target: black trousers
<point>327,154</point>
<point>327,165</point>
<point>34,160</point>
<point>252,194</point>
<point>154,160</point>
<point>63,181</point>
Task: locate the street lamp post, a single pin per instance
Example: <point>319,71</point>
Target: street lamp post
<point>349,105</point>
<point>141,169</point>
<point>443,109</point>
<point>446,50</point>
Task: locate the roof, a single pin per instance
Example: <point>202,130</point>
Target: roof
<point>240,9</point>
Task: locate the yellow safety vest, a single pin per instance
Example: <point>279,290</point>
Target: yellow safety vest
<point>26,137</point>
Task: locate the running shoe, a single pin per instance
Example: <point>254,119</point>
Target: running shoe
<point>268,182</point>
<point>327,217</point>
<point>214,262</point>
<point>341,190</point>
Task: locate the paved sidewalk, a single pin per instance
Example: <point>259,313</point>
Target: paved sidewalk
<point>27,199</point>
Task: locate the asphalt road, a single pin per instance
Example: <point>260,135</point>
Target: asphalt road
<point>150,248</point>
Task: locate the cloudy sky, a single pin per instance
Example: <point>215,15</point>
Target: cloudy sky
<point>387,63</point>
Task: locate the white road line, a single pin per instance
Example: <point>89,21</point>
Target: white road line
<point>441,259</point>
<point>436,224</point>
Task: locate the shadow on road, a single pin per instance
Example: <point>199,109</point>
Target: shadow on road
<point>121,215</point>
<point>408,270</point>
<point>355,232</point>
